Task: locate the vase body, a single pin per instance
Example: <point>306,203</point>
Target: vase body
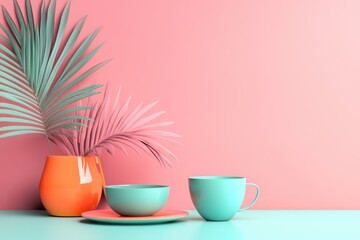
<point>71,185</point>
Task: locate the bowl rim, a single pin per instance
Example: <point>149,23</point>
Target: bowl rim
<point>136,186</point>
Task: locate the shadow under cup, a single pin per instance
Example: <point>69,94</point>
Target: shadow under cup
<point>218,198</point>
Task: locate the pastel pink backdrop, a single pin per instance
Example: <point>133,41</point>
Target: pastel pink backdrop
<point>263,89</point>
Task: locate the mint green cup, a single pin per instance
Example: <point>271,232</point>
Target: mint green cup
<point>219,198</point>
<point>136,199</point>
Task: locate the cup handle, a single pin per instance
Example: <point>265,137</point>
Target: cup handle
<point>256,196</point>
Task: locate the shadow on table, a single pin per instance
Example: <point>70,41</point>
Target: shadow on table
<point>192,227</point>
<point>31,213</point>
<point>236,218</point>
<point>91,222</point>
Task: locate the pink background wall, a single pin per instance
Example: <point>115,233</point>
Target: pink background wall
<point>264,89</point>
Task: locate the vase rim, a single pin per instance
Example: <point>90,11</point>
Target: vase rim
<point>60,156</point>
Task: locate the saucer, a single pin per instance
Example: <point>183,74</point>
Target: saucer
<point>109,216</point>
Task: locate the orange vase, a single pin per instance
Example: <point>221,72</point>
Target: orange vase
<point>71,185</point>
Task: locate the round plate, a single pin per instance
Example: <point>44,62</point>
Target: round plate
<point>109,216</point>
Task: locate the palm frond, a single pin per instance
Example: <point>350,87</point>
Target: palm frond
<point>115,125</point>
<point>38,65</point>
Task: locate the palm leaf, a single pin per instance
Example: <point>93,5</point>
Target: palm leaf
<point>37,73</point>
<point>115,125</point>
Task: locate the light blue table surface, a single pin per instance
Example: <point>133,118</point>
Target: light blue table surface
<point>246,225</point>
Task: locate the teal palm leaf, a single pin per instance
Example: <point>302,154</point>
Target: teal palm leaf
<point>116,125</point>
<point>39,67</point>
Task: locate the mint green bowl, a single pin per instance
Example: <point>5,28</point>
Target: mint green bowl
<point>137,199</point>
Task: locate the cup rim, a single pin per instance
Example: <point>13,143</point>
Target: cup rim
<point>215,177</point>
<point>135,186</point>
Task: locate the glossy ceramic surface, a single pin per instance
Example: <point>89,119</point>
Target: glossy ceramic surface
<point>137,199</point>
<point>218,198</point>
<point>109,216</point>
<point>71,185</point>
